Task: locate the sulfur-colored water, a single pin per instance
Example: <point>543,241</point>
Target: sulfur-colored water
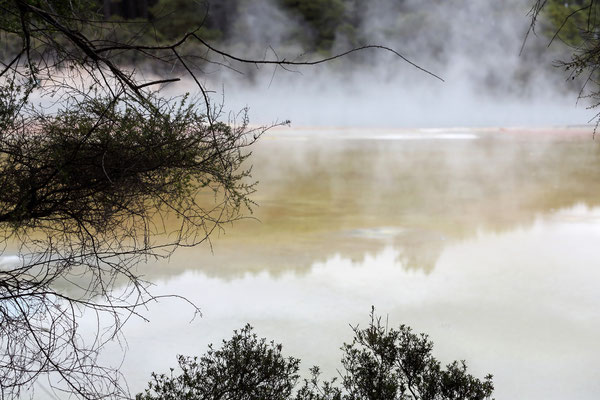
<point>487,240</point>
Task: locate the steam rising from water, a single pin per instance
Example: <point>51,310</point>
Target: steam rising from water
<point>473,45</point>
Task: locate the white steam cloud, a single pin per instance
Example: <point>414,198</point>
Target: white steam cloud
<point>473,45</point>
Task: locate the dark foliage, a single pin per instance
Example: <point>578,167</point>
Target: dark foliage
<point>245,368</point>
<point>100,174</point>
<point>576,23</point>
<point>380,363</point>
<point>324,17</point>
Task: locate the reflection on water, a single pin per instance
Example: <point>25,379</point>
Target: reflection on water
<point>487,240</point>
<point>327,193</point>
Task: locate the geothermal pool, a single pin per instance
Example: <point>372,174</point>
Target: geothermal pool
<point>485,239</point>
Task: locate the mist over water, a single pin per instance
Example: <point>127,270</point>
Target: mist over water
<point>483,238</point>
<point>467,207</point>
<point>473,45</point>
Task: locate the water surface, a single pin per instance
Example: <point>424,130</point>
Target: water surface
<point>485,239</point>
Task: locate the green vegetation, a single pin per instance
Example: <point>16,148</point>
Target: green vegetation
<point>577,23</point>
<point>174,18</point>
<point>324,17</point>
<point>569,20</point>
<point>379,363</point>
<point>321,22</point>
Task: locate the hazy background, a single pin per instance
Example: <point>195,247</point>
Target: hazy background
<point>473,45</point>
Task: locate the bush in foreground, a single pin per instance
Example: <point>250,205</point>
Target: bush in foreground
<point>380,363</point>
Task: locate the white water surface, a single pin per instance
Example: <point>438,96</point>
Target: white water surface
<point>488,245</point>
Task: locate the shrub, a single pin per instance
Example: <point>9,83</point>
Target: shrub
<point>379,363</point>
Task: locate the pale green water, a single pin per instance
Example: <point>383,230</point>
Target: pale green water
<point>486,240</point>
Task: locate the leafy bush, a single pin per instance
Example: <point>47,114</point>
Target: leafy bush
<point>245,368</point>
<point>380,363</point>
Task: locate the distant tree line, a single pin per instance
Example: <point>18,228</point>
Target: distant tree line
<point>126,8</point>
<point>320,23</point>
<point>324,20</point>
